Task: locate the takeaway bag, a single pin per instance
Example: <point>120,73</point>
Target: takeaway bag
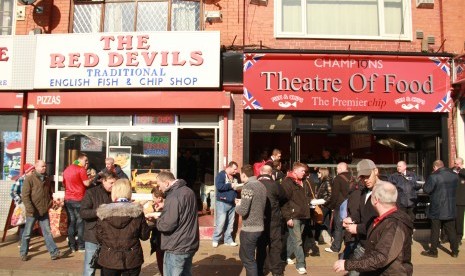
<point>19,215</point>
<point>58,221</point>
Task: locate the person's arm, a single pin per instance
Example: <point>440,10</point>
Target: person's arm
<point>88,210</point>
<point>220,183</point>
<point>85,179</point>
<point>168,221</point>
<point>386,251</point>
<point>26,195</point>
<point>16,190</point>
<point>335,191</point>
<point>144,229</point>
<point>246,202</point>
<point>429,185</point>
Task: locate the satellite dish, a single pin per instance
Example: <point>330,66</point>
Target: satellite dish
<point>27,2</point>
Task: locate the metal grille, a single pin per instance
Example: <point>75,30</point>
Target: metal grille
<point>152,16</point>
<point>119,17</point>
<point>185,16</point>
<point>87,18</point>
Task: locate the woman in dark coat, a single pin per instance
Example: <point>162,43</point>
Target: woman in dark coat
<point>119,230</point>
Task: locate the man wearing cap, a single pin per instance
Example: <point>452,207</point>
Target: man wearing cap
<point>368,175</point>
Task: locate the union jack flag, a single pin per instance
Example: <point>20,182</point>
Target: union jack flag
<point>442,63</point>
<point>251,59</point>
<point>249,102</point>
<point>459,69</point>
<point>445,105</point>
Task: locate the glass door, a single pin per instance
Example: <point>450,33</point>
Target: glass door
<point>73,142</point>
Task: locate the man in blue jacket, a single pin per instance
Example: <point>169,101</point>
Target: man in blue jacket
<point>441,186</point>
<point>225,184</point>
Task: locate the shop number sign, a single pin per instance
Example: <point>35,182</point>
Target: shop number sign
<point>156,145</point>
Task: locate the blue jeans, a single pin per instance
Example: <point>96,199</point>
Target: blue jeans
<point>224,215</point>
<point>247,251</point>
<point>90,249</point>
<point>177,264</point>
<point>75,225</point>
<point>46,232</point>
<point>294,242</point>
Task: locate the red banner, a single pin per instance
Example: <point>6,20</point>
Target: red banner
<point>11,100</point>
<point>346,83</point>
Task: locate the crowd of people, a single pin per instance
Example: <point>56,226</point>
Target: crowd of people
<point>368,216</point>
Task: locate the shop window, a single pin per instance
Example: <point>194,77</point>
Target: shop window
<point>109,120</point>
<point>132,15</point>
<point>351,19</point>
<point>10,146</point>
<point>7,16</point>
<point>76,120</point>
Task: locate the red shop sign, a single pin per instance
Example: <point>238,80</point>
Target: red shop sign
<point>346,83</point>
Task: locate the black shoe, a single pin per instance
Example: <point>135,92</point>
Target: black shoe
<point>455,255</point>
<point>315,254</point>
<point>429,253</point>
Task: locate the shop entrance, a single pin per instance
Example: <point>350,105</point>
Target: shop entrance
<point>196,163</point>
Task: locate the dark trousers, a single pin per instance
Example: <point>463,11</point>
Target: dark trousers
<point>338,231</point>
<point>247,248</point>
<point>459,221</point>
<point>116,272</point>
<point>308,237</point>
<point>269,249</point>
<point>449,228</point>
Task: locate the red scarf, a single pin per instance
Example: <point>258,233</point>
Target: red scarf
<point>294,178</point>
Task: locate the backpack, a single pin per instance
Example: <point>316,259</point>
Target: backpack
<point>257,166</point>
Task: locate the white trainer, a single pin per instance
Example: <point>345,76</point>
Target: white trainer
<point>328,249</point>
<point>301,270</point>
<point>214,244</point>
<point>290,261</point>
<point>231,244</point>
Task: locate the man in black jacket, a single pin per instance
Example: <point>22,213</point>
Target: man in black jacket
<point>460,203</point>
<point>178,225</point>
<point>93,198</point>
<point>441,186</point>
<point>270,243</point>
<point>339,192</point>
<point>110,166</point>
<point>406,184</point>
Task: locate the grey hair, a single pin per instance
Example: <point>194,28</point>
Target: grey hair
<point>385,192</point>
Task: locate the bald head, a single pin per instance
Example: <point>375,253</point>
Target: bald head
<point>342,167</point>
<point>40,166</point>
<point>266,169</point>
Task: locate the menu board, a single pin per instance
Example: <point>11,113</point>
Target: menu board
<point>157,145</point>
<point>122,156</point>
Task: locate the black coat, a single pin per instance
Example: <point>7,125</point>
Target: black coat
<point>461,188</point>
<point>441,186</point>
<point>119,230</point>
<point>93,198</point>
<point>339,191</point>
<point>299,197</point>
<point>275,198</point>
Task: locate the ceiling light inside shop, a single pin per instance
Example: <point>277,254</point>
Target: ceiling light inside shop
<point>280,117</point>
<point>348,117</point>
<point>272,126</point>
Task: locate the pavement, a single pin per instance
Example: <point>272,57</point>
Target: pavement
<point>223,260</point>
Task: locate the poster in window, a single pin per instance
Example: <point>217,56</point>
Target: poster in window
<point>11,155</point>
<point>92,144</point>
<point>122,156</point>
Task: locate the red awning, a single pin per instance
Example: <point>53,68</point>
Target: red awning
<point>11,100</point>
<point>129,100</point>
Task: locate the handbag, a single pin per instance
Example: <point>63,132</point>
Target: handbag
<point>19,215</point>
<point>317,215</point>
<point>94,261</point>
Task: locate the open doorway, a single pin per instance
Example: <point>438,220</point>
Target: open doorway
<point>196,165</point>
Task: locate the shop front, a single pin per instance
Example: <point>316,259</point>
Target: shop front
<point>383,107</point>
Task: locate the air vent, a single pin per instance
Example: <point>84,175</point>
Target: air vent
<point>419,34</point>
<point>425,4</point>
<point>431,39</point>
